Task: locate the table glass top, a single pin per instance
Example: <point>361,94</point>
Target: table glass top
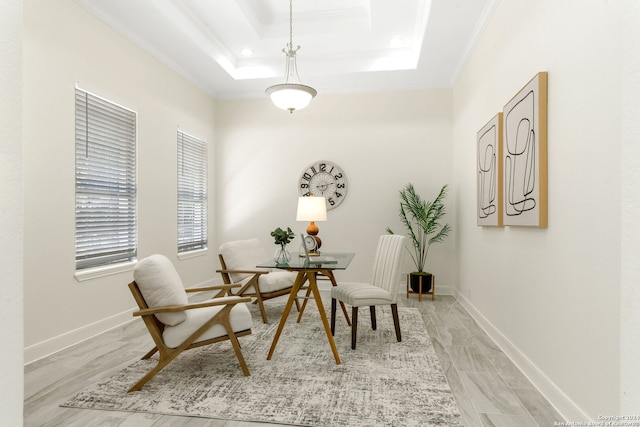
<point>343,259</point>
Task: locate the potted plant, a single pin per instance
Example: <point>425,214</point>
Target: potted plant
<point>282,237</point>
<point>422,220</point>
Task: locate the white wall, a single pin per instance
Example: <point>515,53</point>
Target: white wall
<point>560,321</point>
<point>11,223</point>
<point>630,196</point>
<point>63,44</point>
<point>551,296</point>
<point>382,141</point>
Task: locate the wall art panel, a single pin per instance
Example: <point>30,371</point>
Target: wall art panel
<point>489,173</point>
<point>524,152</point>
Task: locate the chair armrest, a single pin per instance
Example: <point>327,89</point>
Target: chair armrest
<point>256,272</point>
<point>209,303</point>
<point>213,288</point>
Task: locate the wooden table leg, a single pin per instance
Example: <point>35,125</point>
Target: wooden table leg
<point>329,274</point>
<point>300,279</point>
<point>323,316</point>
<point>304,304</point>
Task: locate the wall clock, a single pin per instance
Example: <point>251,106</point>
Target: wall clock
<point>324,179</point>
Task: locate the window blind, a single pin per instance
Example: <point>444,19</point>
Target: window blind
<point>192,193</point>
<point>105,182</point>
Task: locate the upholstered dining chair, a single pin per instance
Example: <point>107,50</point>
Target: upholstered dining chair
<point>175,325</point>
<point>238,260</point>
<point>383,289</point>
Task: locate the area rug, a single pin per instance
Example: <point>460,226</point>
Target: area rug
<point>381,383</point>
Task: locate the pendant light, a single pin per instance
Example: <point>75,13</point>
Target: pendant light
<point>291,95</point>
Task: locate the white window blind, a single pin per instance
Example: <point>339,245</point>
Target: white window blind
<point>105,182</point>
<point>192,193</point>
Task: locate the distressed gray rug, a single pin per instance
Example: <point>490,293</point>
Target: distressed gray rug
<point>381,383</point>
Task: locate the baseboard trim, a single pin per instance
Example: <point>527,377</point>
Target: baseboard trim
<point>38,351</point>
<point>53,345</point>
<point>558,399</point>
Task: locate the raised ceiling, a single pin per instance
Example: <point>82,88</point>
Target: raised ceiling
<point>233,48</point>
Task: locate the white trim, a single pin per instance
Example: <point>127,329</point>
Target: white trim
<point>558,399</point>
<point>45,348</point>
<point>93,273</point>
<point>481,24</point>
<point>192,254</point>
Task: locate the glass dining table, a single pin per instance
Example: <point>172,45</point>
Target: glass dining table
<point>309,272</point>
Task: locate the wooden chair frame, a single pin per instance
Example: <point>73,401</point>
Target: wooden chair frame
<point>245,290</point>
<point>155,328</point>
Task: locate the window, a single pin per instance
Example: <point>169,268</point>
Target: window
<point>105,182</point>
<point>192,193</point>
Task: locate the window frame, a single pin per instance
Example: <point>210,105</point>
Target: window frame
<point>192,195</point>
<point>106,231</point>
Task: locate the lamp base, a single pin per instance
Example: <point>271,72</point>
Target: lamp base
<point>311,253</point>
<point>312,230</point>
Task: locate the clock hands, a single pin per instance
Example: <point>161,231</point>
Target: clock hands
<point>324,179</point>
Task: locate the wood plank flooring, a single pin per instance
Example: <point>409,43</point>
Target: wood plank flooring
<point>489,389</point>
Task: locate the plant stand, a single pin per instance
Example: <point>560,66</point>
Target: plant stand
<point>432,292</point>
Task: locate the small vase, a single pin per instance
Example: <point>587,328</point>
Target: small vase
<point>282,256</point>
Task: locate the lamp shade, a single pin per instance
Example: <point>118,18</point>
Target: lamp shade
<point>311,209</point>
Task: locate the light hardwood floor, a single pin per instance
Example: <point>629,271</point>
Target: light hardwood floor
<point>489,389</point>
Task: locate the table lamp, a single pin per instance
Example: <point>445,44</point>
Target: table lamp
<point>312,209</point>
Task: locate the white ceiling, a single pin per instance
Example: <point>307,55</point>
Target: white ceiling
<point>346,45</point>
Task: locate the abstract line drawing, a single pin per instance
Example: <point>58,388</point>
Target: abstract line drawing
<point>489,171</point>
<point>525,155</point>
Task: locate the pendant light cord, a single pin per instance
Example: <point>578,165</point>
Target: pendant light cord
<point>291,95</point>
<point>291,24</point>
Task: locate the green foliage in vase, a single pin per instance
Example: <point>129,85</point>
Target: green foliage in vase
<point>282,237</point>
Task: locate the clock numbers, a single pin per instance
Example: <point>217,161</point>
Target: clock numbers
<point>324,179</point>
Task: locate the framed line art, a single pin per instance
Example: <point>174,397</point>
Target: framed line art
<point>489,173</point>
<point>524,154</point>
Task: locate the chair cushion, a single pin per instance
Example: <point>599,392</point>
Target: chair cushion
<point>161,286</point>
<point>274,281</point>
<point>175,335</point>
<point>361,294</point>
<point>242,255</point>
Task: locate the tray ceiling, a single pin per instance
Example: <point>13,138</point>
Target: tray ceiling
<point>233,48</point>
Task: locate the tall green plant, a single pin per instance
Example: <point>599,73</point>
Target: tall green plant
<point>422,220</point>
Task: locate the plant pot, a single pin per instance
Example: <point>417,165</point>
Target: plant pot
<point>414,281</point>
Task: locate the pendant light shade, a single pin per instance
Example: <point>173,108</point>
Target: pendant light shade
<point>291,95</point>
